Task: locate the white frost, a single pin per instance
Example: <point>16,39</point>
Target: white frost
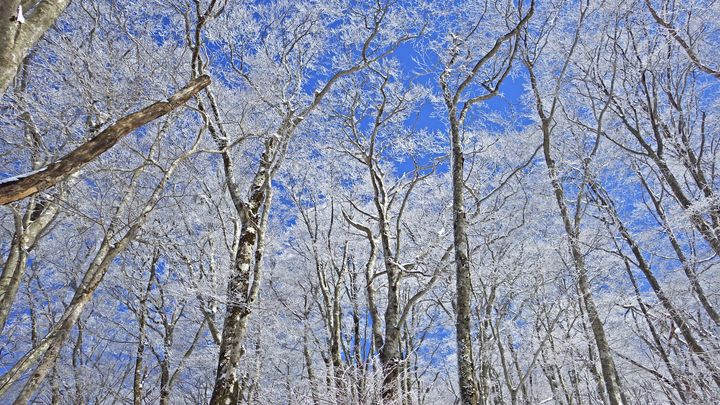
<point>21,176</point>
<point>20,17</point>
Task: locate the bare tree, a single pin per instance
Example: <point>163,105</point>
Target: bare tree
<point>471,76</point>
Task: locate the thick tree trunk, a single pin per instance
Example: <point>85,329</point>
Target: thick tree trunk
<point>390,349</point>
<point>242,292</point>
<point>165,377</point>
<point>239,307</point>
<point>390,353</point>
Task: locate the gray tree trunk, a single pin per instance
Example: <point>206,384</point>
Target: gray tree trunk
<point>242,292</point>
<point>466,367</point>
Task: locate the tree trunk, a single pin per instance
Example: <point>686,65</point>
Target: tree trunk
<point>165,376</point>
<point>390,353</point>
<point>235,324</point>
<point>466,367</point>
<point>38,216</point>
<point>138,375</point>
<point>241,294</point>
<point>572,231</point>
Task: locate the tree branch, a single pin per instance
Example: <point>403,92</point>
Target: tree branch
<point>19,187</point>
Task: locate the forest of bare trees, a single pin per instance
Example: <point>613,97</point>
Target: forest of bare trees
<point>396,202</point>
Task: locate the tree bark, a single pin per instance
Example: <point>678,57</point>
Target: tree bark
<point>242,292</point>
<point>17,38</point>
<point>466,369</point>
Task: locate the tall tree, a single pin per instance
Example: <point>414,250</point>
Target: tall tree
<point>472,73</point>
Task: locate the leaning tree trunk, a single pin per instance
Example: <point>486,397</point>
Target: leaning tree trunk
<point>612,384</point>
